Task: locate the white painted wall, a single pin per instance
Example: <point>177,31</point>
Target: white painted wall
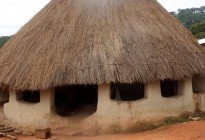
<point>153,108</point>
<point>200,101</point>
<point>109,112</point>
<point>26,113</point>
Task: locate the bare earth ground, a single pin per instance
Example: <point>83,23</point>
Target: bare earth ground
<point>184,131</point>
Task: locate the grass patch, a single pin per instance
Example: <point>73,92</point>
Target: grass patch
<point>135,127</point>
<point>182,118</point>
<point>174,120</point>
<point>145,126</point>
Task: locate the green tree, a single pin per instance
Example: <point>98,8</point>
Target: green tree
<point>198,30</point>
<point>193,19</point>
<point>188,17</point>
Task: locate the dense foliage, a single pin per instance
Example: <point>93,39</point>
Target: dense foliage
<point>198,30</point>
<point>193,19</point>
<point>188,17</point>
<point>3,40</point>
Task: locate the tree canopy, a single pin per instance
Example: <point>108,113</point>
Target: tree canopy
<point>188,17</point>
<point>198,30</point>
<point>193,19</point>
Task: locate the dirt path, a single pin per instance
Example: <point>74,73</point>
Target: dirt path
<point>184,131</point>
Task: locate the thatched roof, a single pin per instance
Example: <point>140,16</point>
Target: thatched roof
<point>99,41</point>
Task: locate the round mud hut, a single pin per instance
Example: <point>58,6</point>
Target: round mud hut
<point>99,64</point>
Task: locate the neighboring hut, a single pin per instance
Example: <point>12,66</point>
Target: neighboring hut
<point>198,84</point>
<point>202,42</point>
<point>109,62</point>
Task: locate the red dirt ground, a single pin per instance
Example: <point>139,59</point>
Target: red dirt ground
<point>184,131</point>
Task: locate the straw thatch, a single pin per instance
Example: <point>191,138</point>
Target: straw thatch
<point>99,41</point>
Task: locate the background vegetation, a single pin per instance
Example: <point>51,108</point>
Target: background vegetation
<point>3,40</point>
<point>193,19</point>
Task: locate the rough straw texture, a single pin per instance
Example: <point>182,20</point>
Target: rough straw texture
<point>99,41</point>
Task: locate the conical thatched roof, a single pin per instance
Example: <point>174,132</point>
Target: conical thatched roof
<point>99,41</point>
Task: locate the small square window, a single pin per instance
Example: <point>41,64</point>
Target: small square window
<point>29,96</point>
<point>198,84</point>
<point>127,92</point>
<point>169,88</point>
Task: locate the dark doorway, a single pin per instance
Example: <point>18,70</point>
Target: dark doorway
<point>4,96</point>
<point>76,99</point>
<point>169,88</point>
<point>127,92</point>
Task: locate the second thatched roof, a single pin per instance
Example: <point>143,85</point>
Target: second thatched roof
<point>99,41</point>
